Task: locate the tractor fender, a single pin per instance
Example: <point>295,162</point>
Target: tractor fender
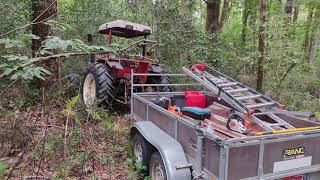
<point>114,64</point>
<point>156,69</point>
<point>173,156</point>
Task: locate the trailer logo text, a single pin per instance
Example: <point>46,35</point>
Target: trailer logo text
<point>294,152</point>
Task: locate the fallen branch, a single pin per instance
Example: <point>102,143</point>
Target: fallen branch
<point>46,58</point>
<point>284,77</point>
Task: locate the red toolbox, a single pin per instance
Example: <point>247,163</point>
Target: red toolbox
<point>195,99</point>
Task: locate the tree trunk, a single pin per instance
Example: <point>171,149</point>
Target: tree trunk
<point>43,10</point>
<point>213,16</point>
<point>295,12</point>
<point>225,13</point>
<point>245,15</point>
<point>307,32</point>
<point>295,18</point>
<point>288,17</point>
<point>254,28</point>
<point>314,40</point>
<point>262,45</point>
<point>289,9</point>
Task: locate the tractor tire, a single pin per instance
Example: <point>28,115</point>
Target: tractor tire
<point>141,149</point>
<point>165,80</point>
<point>97,86</point>
<point>157,170</point>
<point>160,80</point>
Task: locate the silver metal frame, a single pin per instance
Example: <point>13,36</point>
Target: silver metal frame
<point>225,144</point>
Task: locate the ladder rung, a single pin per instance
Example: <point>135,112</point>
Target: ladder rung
<point>248,97</point>
<point>221,81</point>
<point>260,105</point>
<point>237,90</point>
<point>278,124</point>
<point>228,84</point>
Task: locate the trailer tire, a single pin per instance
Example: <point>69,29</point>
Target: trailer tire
<point>98,85</point>
<point>142,150</point>
<point>157,170</point>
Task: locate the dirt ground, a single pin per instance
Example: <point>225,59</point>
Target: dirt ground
<point>54,141</point>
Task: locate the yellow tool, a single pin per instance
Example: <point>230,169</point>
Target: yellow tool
<point>287,130</point>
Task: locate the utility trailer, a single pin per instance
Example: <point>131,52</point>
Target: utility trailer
<point>177,147</point>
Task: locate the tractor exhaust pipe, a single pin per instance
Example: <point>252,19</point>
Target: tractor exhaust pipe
<point>90,42</point>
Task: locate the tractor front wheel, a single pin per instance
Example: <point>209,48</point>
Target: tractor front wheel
<point>97,85</point>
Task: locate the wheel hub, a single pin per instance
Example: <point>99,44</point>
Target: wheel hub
<point>138,152</point>
<point>157,172</point>
<point>89,90</point>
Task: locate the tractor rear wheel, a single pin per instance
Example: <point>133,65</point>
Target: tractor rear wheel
<point>159,80</point>
<point>97,85</point>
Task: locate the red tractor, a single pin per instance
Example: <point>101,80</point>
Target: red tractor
<point>108,77</point>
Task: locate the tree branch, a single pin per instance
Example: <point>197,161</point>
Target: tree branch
<point>40,59</point>
<point>284,76</point>
<point>32,22</point>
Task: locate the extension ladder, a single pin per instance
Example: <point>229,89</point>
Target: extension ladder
<point>240,97</point>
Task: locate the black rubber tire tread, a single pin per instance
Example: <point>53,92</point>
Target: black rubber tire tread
<point>160,80</point>
<point>146,148</point>
<point>156,157</point>
<point>104,83</point>
<point>165,80</point>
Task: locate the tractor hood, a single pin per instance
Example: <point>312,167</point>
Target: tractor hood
<point>124,29</point>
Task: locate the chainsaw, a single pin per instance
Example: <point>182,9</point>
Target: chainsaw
<point>236,123</point>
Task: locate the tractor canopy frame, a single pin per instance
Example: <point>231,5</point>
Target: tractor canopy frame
<point>125,29</point>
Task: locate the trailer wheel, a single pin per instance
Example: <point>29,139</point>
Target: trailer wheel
<point>97,85</point>
<point>141,149</point>
<point>157,170</point>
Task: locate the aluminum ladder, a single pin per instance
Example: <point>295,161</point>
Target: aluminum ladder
<point>242,98</point>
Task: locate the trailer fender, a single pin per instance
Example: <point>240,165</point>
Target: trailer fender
<point>173,156</point>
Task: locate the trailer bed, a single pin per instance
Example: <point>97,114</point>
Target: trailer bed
<point>229,155</point>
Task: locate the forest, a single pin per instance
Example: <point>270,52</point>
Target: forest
<point>45,130</point>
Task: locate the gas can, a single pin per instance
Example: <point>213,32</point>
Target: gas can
<point>195,99</point>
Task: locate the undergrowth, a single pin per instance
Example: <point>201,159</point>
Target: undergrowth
<point>58,138</point>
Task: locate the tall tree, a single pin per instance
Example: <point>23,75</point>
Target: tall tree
<point>245,15</point>
<point>291,15</point>
<point>289,9</point>
<point>42,10</point>
<point>262,45</point>
<point>307,31</point>
<point>216,16</point>
<point>213,15</point>
<point>314,39</point>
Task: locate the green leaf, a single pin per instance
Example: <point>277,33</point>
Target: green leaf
<point>45,70</point>
<point>3,168</point>
<point>4,65</point>
<point>16,58</point>
<point>15,76</point>
<point>32,36</point>
<point>57,43</point>
<point>9,43</point>
<point>8,71</point>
